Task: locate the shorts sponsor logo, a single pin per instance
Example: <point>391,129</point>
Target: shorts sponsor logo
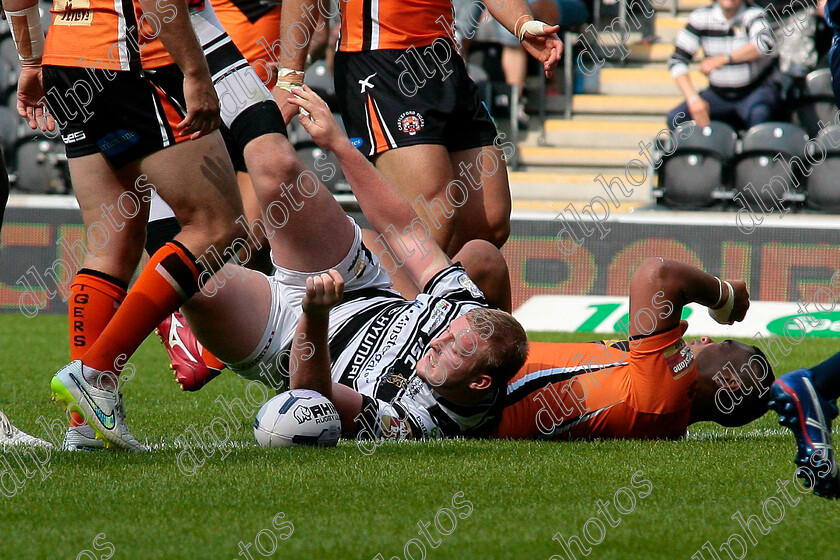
<point>117,142</point>
<point>410,122</point>
<point>73,13</point>
<point>73,137</point>
<point>356,141</point>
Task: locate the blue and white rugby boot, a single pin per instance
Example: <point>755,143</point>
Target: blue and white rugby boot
<point>809,417</point>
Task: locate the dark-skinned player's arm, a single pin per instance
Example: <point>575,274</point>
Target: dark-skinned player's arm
<point>539,39</point>
<point>383,205</point>
<point>660,288</point>
<point>313,356</point>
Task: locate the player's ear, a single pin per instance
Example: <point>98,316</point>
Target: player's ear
<point>481,382</point>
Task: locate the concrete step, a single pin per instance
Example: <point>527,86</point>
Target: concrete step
<point>624,104</point>
<point>657,53</point>
<point>566,186</point>
<point>573,157</point>
<point>599,133</point>
<point>644,81</point>
<point>683,6</point>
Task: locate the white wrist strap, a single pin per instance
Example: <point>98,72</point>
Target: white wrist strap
<point>27,33</point>
<point>534,27</point>
<point>722,315</point>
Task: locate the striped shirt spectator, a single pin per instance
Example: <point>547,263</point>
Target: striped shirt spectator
<point>737,43</point>
<point>718,36</point>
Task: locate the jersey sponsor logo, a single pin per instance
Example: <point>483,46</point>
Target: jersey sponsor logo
<point>73,13</point>
<point>467,283</point>
<point>410,122</point>
<point>438,314</point>
<point>394,427</point>
<point>73,137</point>
<point>369,342</point>
<point>679,358</point>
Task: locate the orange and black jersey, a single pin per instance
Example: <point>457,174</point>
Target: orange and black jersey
<point>251,25</point>
<point>109,34</point>
<point>369,25</point>
<point>638,389</point>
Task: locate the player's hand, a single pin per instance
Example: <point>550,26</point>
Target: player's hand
<point>29,98</point>
<point>203,116</point>
<point>712,63</point>
<point>319,123</point>
<point>547,47</point>
<point>323,292</point>
<point>699,111</point>
<point>742,301</point>
<point>282,96</point>
<point>737,309</point>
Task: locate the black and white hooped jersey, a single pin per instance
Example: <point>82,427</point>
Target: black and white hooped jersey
<point>376,339</point>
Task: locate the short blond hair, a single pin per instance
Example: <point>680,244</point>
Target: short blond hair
<point>507,347</point>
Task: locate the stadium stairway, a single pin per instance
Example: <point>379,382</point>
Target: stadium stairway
<point>603,135</point>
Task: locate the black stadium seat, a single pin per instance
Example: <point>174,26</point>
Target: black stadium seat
<point>319,78</point>
<point>823,185</point>
<point>815,102</point>
<point>695,170</point>
<point>771,152</point>
<point>39,162</point>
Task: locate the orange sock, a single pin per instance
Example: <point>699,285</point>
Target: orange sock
<point>169,279</point>
<point>94,299</point>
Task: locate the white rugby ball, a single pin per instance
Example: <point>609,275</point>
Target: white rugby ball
<point>297,417</point>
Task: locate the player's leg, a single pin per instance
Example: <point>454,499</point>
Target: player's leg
<point>421,173</point>
<point>485,213</point>
<point>231,316</point>
<point>486,266</point>
<point>806,401</point>
<point>308,230</point>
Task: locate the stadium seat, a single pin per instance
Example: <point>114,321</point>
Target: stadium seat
<point>822,187</point>
<point>763,168</point>
<point>320,79</point>
<point>815,102</point>
<point>694,172</point>
<point>9,123</point>
<point>40,164</point>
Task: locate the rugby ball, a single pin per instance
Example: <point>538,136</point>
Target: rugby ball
<point>297,417</point>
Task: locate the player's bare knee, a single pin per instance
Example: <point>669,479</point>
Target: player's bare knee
<point>271,163</point>
<point>482,260</point>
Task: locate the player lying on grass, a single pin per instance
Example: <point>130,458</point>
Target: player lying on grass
<point>654,384</point>
<point>377,338</point>
<point>651,385</point>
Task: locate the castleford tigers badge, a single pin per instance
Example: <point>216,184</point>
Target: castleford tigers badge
<point>410,122</point>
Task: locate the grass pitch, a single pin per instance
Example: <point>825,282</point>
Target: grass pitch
<point>341,504</point>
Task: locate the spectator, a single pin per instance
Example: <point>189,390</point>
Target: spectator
<point>738,43</point>
<point>469,14</point>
